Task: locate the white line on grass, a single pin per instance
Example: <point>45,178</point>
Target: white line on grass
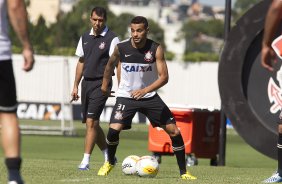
<point>76,180</point>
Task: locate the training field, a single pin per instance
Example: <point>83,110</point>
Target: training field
<point>54,160</point>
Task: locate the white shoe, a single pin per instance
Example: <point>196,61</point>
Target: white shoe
<point>83,167</point>
<point>275,178</point>
<point>12,182</point>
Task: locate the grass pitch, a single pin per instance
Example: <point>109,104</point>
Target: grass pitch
<point>54,160</point>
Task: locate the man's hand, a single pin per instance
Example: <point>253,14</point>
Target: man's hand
<point>28,59</point>
<point>138,94</point>
<point>74,95</point>
<point>268,58</point>
<point>106,92</point>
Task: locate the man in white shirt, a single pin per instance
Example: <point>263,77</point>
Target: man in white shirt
<point>94,49</point>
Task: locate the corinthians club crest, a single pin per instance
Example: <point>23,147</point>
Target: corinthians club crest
<point>148,56</point>
<point>275,93</point>
<point>102,45</point>
<point>118,115</point>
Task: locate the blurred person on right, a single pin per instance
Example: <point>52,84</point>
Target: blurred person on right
<point>268,58</point>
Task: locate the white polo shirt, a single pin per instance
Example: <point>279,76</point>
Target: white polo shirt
<point>79,50</point>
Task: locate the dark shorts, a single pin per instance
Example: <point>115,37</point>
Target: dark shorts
<point>8,97</point>
<point>92,99</point>
<point>153,108</point>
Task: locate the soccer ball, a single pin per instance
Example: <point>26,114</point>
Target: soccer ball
<point>128,165</point>
<point>147,166</point>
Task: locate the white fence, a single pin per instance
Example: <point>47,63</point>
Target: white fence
<point>51,81</point>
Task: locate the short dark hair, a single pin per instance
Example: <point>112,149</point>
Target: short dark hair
<point>100,11</point>
<point>140,20</point>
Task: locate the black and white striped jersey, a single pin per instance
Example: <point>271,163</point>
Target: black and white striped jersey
<point>138,67</point>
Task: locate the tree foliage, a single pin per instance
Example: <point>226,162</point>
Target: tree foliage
<point>61,38</point>
<point>213,27</point>
<point>68,28</point>
<point>242,6</point>
<point>193,30</point>
<point>40,32</point>
<point>120,25</point>
<point>156,33</point>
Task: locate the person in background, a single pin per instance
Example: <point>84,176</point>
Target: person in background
<point>268,57</point>
<point>10,132</point>
<point>94,49</point>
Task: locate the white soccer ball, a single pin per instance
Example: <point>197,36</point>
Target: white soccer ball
<point>128,165</point>
<point>147,166</point>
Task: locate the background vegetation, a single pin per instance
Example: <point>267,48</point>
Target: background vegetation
<point>61,37</point>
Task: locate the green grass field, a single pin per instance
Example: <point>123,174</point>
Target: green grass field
<point>54,160</point>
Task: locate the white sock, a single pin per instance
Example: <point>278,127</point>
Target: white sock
<point>105,153</point>
<point>86,158</point>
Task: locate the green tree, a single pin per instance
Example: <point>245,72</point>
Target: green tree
<point>192,30</point>
<point>198,46</point>
<point>41,37</point>
<point>61,38</point>
<point>76,22</point>
<point>156,33</point>
<point>241,6</point>
<point>120,25</point>
<point>68,28</point>
<point>214,28</point>
<point>27,3</point>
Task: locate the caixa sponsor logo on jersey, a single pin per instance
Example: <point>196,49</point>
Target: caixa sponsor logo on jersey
<point>41,111</point>
<point>138,68</point>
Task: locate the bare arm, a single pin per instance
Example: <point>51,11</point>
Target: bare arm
<point>272,21</point>
<point>118,72</point>
<point>78,76</point>
<point>162,79</point>
<point>112,63</point>
<point>18,17</point>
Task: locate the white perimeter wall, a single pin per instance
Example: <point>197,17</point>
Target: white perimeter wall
<point>51,80</point>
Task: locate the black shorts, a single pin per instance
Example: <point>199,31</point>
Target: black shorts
<point>8,97</point>
<point>153,108</point>
<point>92,99</point>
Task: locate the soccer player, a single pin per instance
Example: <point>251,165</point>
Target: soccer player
<point>94,49</point>
<point>143,71</point>
<point>10,132</point>
<point>272,21</point>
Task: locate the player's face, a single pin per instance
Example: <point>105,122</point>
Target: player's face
<point>98,23</point>
<point>138,33</point>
